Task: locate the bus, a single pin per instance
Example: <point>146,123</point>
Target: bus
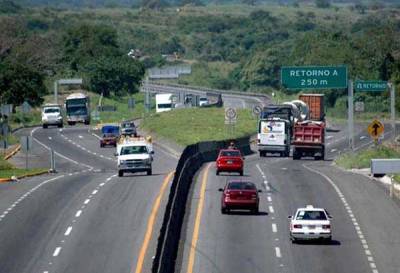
<point>77,106</point>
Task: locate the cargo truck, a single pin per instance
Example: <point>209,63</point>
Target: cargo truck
<point>309,140</point>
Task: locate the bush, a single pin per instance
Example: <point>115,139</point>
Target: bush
<point>322,4</point>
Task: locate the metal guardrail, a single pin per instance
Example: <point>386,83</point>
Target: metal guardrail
<point>189,163</point>
<point>160,87</point>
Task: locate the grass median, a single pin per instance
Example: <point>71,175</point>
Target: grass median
<point>7,170</point>
<point>191,125</point>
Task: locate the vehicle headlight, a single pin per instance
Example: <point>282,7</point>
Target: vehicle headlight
<point>44,118</point>
<point>59,117</point>
<point>147,160</point>
<point>121,162</point>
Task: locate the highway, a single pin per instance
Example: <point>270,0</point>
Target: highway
<point>83,218</point>
<point>365,221</point>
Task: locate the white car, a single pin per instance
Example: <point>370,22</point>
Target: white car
<point>203,101</point>
<point>310,223</point>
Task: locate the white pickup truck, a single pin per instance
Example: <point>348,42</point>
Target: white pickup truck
<point>134,156</point>
<point>51,115</point>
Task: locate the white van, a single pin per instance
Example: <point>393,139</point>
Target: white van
<point>164,102</point>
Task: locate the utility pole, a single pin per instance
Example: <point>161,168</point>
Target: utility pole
<point>392,108</point>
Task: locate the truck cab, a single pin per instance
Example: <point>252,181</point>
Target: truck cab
<point>134,155</point>
<point>51,115</point>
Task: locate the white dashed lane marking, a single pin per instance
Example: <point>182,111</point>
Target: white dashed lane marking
<point>274,228</point>
<point>56,252</point>
<point>86,201</point>
<point>78,213</point>
<point>353,219</point>
<point>68,231</point>
<point>278,252</point>
<point>271,209</point>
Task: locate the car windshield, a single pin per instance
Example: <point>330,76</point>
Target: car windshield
<point>311,215</point>
<point>241,186</point>
<point>109,135</point>
<point>129,150</point>
<point>51,110</point>
<point>230,153</point>
<point>128,125</point>
<point>203,99</point>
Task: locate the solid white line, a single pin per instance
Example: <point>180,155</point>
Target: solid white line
<point>68,231</point>
<point>87,201</point>
<point>278,252</point>
<point>271,209</point>
<point>274,228</point>
<point>56,251</point>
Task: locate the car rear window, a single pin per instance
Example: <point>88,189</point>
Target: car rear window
<point>230,153</point>
<point>241,186</point>
<point>311,215</point>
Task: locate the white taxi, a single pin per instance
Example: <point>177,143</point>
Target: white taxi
<point>310,223</point>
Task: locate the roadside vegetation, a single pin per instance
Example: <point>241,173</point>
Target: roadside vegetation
<point>7,170</point>
<point>188,126</point>
<point>362,159</point>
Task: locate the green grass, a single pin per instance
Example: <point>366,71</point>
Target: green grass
<point>123,112</point>
<point>188,126</point>
<point>19,172</point>
<point>363,158</point>
<point>7,170</point>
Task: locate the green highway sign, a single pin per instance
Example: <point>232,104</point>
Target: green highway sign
<point>314,77</point>
<point>373,86</point>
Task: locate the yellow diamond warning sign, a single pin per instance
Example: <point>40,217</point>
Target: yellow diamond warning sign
<point>375,129</point>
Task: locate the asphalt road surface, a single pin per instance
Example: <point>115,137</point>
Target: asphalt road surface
<point>83,218</point>
<point>365,220</point>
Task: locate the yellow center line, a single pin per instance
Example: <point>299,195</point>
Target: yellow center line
<point>150,224</point>
<point>197,221</point>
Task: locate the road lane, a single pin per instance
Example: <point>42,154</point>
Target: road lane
<point>240,242</point>
<point>85,221</point>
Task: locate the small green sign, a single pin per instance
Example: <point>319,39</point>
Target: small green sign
<point>314,77</point>
<point>373,86</point>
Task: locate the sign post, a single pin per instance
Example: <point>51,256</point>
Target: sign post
<point>392,108</point>
<point>26,145</point>
<point>350,115</point>
<point>64,82</point>
<point>230,119</point>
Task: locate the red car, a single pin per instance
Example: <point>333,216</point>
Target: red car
<point>230,160</point>
<point>240,195</point>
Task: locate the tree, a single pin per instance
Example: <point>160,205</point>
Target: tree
<point>20,83</point>
<point>153,4</point>
<point>85,42</point>
<point>249,2</point>
<point>7,6</point>
<point>117,75</point>
<point>322,4</point>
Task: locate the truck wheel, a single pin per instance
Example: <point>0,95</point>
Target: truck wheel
<point>217,172</point>
<point>60,125</point>
<point>44,126</point>
<point>120,173</point>
<point>87,122</point>
<point>296,155</point>
<point>71,123</point>
<point>149,172</point>
<point>241,173</point>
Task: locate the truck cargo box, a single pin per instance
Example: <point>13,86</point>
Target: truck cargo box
<point>309,140</point>
<point>315,103</point>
